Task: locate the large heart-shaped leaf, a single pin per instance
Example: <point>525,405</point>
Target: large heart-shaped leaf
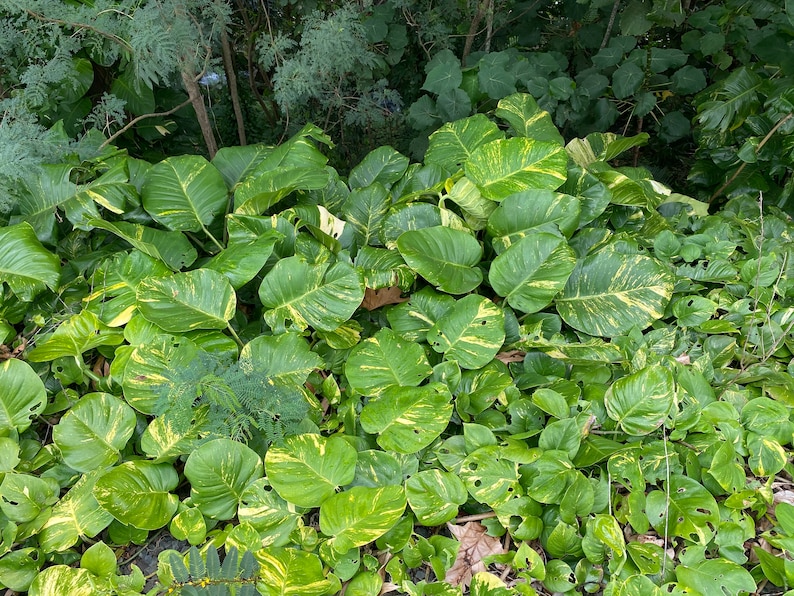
<point>532,209</point>
<point>383,360</point>
<point>237,163</point>
<point>360,515</point>
<point>240,262</point>
<point>532,271</point>
<point>48,187</point>
<point>75,516</point>
<point>25,265</point>
<point>641,401</point>
<point>685,509</point>
<point>608,293</point>
<point>219,471</point>
<point>138,493</point>
<point>452,144</point>
<point>271,516</point>
<point>184,193</point>
<point>504,167</point>
<point>471,332</point>
<point>62,580</point>
<point>93,432</point>
<point>22,395</point>
<point>307,469</point>
<point>383,165</point>
<point>408,419</point>
<point>198,299</point>
<point>260,192</point>
<point>443,256</point>
<point>489,476</point>
<point>23,497</point>
<point>522,112</point>
<point>435,495</point>
<point>297,294</point>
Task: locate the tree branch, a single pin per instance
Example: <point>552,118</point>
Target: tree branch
<point>135,121</point>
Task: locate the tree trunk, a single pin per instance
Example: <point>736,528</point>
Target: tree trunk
<point>197,101</point>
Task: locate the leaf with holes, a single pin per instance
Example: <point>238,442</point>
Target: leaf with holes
<point>684,509</point>
<point>471,332</point>
<point>717,576</point>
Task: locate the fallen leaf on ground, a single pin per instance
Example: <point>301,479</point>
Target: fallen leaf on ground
<point>376,298</point>
<point>475,544</point>
<point>511,356</point>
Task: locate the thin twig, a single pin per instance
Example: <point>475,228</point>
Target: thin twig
<point>739,170</point>
<point>475,517</point>
<point>135,121</point>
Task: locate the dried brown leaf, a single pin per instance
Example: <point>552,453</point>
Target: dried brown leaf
<point>475,544</point>
<point>376,298</point>
<point>511,356</point>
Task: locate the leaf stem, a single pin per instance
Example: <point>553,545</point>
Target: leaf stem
<point>235,336</point>
<point>211,237</point>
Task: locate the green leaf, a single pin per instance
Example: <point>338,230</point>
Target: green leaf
<point>172,248</point>
<point>24,497</point>
<point>522,213</point>
<point>307,469</point>
<point>471,332</point>
<point>198,299</point>
<point>734,99</point>
<point>25,265</point>
<point>76,515</point>
<point>501,168</point>
<point>138,493</point>
<point>408,419</point>
<point>532,271</point>
<point>496,81</point>
<point>137,94</point>
<point>452,144</point>
<point>297,294</point>
<point>413,319</point>
<point>285,358</point>
<point>22,395</point>
<point>78,334</point>
<point>260,192</point>
<point>184,193</point>
<point>240,262</point>
<point>60,580</point>
<point>443,77</point>
<point>47,188</point>
<point>717,576</point>
<point>93,432</point>
<point>383,360</point>
<point>360,515</point>
<point>453,104</point>
<point>688,80</point>
<point>268,513</point>
<point>522,112</point>
<point>365,210</point>
<point>490,478</point>
<point>19,568</point>
<point>219,471</point>
<point>599,146</point>
<point>608,293</point>
<point>383,165</point>
<point>236,163</point>
<point>434,496</point>
<point>640,402</point>
<point>113,299</point>
<point>685,509</point>
<point>445,257</point>
<point>626,80</point>
<point>288,571</point>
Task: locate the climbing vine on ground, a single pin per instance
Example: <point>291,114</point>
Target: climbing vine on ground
<point>513,368</point>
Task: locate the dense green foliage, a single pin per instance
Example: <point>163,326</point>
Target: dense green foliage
<point>512,331</point>
<point>710,82</point>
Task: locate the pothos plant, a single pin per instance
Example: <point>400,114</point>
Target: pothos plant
<point>586,367</point>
